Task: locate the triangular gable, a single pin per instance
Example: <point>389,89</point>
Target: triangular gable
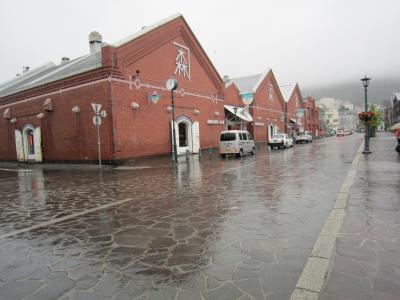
<point>290,103</point>
<point>297,89</point>
<point>136,46</point>
<point>276,88</point>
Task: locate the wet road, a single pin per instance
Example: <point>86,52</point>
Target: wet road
<point>207,229</point>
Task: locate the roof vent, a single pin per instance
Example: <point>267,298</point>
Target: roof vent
<point>95,41</point>
<point>226,78</point>
<point>64,60</point>
<point>25,69</point>
<point>144,27</point>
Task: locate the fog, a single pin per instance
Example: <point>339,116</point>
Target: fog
<point>315,43</point>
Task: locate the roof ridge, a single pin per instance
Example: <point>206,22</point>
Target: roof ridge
<point>146,29</point>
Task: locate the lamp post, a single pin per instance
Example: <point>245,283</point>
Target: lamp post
<point>172,85</point>
<point>235,110</point>
<point>365,82</point>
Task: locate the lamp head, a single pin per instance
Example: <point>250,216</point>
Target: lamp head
<point>365,81</point>
<point>235,110</point>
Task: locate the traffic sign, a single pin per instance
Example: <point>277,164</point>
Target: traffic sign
<point>96,107</point>
<point>97,120</point>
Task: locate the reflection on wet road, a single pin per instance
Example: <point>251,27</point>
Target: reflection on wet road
<point>206,229</point>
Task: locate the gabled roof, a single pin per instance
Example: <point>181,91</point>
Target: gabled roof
<point>145,30</point>
<point>50,72</point>
<point>250,83</point>
<point>287,91</point>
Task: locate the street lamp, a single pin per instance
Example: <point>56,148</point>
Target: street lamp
<point>365,82</point>
<point>235,110</point>
<point>172,85</point>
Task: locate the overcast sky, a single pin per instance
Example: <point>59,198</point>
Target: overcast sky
<point>311,42</point>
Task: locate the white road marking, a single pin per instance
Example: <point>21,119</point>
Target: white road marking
<point>58,220</point>
<point>16,170</point>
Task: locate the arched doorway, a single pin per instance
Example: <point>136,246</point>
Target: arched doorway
<point>271,131</point>
<point>183,135</point>
<point>187,135</point>
<point>28,136</point>
<point>28,144</point>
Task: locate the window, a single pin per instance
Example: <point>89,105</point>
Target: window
<point>240,136</point>
<point>229,136</point>
<point>250,137</point>
<point>244,136</point>
<point>270,95</point>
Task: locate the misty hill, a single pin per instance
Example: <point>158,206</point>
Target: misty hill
<point>378,90</point>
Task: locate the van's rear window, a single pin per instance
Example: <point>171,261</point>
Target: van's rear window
<point>229,136</point>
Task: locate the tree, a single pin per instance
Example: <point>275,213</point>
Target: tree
<point>376,120</point>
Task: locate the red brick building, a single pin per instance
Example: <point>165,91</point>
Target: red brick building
<point>46,113</point>
<point>311,116</point>
<point>260,103</point>
<point>293,99</point>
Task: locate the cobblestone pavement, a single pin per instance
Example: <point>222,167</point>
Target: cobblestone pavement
<point>206,229</point>
<point>367,261</point>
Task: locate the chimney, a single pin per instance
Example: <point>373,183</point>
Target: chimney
<point>95,41</point>
<point>64,60</point>
<point>226,78</point>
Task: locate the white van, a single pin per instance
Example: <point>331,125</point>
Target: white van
<point>236,142</point>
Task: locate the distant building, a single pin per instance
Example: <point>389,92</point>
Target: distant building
<point>347,117</point>
<point>387,113</point>
<point>322,121</point>
<point>311,116</point>
<point>259,105</point>
<point>292,95</point>
<point>332,120</point>
<point>396,108</point>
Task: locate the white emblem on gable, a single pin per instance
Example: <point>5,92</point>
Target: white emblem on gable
<point>182,61</point>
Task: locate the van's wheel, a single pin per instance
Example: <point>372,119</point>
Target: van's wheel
<point>240,154</point>
<point>253,151</point>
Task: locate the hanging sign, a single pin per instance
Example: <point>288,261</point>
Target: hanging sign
<point>300,113</point>
<point>154,97</point>
<point>247,98</point>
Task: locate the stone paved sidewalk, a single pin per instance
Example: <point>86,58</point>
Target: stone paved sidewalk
<point>366,264</point>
